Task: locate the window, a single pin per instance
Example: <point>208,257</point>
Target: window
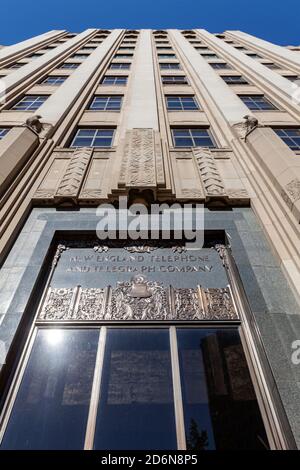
<point>219,65</point>
<point>128,42</point>
<point>30,102</point>
<point>194,137</point>
<point>290,136</point>
<point>123,56</point>
<point>36,55</point>
<point>64,396</point>
<point>202,49</point>
<point>163,47</point>
<point>253,55</point>
<point>136,388</point>
<point>166,56</point>
<point>16,65</point>
<point>241,48</point>
<point>235,80</point>
<point>130,48</point>
<point>169,66</point>
<point>257,102</point>
<point>114,80</point>
<point>272,66</point>
<point>162,42</point>
<point>89,48</point>
<point>68,65</point>
<point>54,80</point>
<point>106,103</point>
<point>292,78</point>
<point>79,56</point>
<point>93,138</point>
<point>115,66</point>
<point>137,381</point>
<point>210,56</point>
<point>3,132</point>
<point>181,103</point>
<point>174,79</point>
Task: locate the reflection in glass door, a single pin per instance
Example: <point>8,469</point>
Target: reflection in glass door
<point>135,399</point>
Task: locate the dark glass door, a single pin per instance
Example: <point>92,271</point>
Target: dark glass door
<point>52,404</point>
<point>136,407</point>
<point>219,402</point>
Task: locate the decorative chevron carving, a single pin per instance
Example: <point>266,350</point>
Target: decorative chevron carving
<point>139,158</point>
<point>72,179</point>
<point>211,179</point>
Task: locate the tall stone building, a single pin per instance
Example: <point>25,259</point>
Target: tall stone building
<point>149,344</point>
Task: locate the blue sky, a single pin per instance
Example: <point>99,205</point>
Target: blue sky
<point>276,21</point>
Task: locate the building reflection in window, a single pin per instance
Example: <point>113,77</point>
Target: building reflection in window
<point>136,409</point>
<point>220,406</point>
<point>51,408</point>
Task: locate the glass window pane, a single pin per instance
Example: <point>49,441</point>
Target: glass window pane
<point>220,406</point>
<point>183,142</point>
<point>136,409</point>
<point>103,142</point>
<point>82,142</point>
<point>86,132</point>
<point>52,404</point>
<point>203,142</point>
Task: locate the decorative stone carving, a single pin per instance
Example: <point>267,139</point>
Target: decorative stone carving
<point>58,305</point>
<point>210,175</point>
<point>91,194</point>
<point>222,251</point>
<point>192,192</point>
<point>138,300</point>
<point>101,248</point>
<point>91,305</point>
<point>140,248</point>
<point>159,164</point>
<point>35,124</point>
<point>125,305</point>
<point>237,193</point>
<point>218,304</point>
<point>139,166</point>
<point>245,127</point>
<point>240,129</point>
<point>59,250</point>
<point>72,179</point>
<point>186,305</point>
<point>293,189</point>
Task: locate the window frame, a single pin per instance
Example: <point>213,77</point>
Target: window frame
<point>192,138</point>
<point>115,80</point>
<point>181,103</point>
<point>287,137</point>
<point>30,107</point>
<point>108,99</point>
<point>93,138</point>
<point>3,132</point>
<point>255,99</point>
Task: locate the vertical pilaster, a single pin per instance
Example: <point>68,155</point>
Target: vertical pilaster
<point>23,73</point>
<point>277,52</point>
<point>267,78</point>
<point>58,105</point>
<point>10,51</point>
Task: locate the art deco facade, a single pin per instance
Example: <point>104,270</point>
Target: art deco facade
<point>197,350</point>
